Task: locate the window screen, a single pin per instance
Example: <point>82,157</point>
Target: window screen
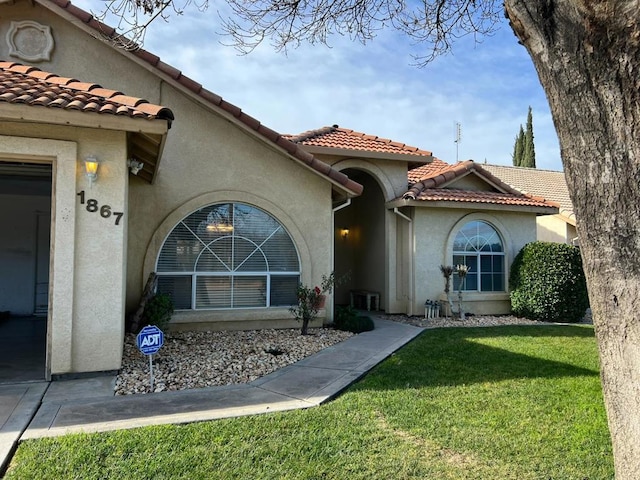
<point>228,255</point>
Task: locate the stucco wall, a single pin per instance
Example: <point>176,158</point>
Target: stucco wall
<point>552,228</point>
<point>434,232</point>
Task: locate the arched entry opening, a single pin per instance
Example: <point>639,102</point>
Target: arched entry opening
<point>25,215</point>
<point>360,244</point>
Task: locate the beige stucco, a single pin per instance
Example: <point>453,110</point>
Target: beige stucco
<point>555,228</point>
<point>436,248</point>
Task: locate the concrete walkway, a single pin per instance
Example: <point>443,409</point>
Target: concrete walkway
<point>37,410</point>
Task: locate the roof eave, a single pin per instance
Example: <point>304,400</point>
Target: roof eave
<point>40,114</point>
<point>483,206</point>
<point>146,138</point>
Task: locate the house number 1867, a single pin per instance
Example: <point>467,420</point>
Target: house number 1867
<point>105,211</point>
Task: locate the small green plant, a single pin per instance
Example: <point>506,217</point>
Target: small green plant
<point>158,311</point>
<point>348,320</point>
<point>547,283</point>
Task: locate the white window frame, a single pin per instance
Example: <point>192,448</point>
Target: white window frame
<point>478,254</point>
<point>194,273</point>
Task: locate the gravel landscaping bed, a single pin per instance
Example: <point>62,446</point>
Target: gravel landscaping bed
<point>207,359</point>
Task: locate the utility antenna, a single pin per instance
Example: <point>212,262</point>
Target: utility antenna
<point>457,136</point>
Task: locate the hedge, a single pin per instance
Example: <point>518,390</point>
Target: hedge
<point>547,283</point>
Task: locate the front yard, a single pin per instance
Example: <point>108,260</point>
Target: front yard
<point>512,402</point>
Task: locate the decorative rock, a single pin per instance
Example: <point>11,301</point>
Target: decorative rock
<point>206,359</point>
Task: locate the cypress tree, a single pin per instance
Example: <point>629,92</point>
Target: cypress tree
<point>518,149</point>
<point>529,151</point>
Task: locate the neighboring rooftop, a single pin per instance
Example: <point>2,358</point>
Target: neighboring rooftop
<point>429,183</point>
<point>548,184</point>
<point>338,138</point>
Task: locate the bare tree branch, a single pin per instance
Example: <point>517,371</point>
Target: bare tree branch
<point>432,24</point>
<point>135,16</point>
<point>288,23</point>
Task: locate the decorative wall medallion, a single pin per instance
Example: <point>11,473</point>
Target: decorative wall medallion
<point>30,41</point>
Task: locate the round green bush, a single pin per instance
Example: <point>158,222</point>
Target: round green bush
<point>348,320</point>
<point>359,325</point>
<point>547,283</point>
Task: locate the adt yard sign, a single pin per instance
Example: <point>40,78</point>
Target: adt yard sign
<point>150,339</point>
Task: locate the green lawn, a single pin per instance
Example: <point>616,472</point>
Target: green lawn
<point>463,403</point>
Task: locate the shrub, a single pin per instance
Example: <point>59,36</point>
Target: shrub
<point>360,324</point>
<point>348,319</point>
<point>158,311</point>
<point>547,283</point>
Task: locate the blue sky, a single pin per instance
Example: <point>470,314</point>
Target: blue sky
<point>372,88</point>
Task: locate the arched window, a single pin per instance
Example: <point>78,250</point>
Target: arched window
<point>479,246</point>
<point>228,255</point>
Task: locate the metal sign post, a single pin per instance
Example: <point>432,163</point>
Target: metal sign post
<point>149,341</point>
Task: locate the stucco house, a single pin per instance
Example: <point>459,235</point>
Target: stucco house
<point>550,185</point>
<point>412,218</point>
<point>230,214</point>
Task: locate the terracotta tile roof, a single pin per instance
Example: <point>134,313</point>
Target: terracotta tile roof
<point>548,184</point>
<point>343,138</point>
<point>426,171</point>
<point>31,86</point>
<point>474,196</point>
<point>433,182</point>
<point>196,88</point>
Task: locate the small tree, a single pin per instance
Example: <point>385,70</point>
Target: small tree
<point>311,300</point>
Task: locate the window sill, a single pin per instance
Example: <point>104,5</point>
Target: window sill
<point>481,296</point>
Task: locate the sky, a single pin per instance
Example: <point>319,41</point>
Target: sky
<point>375,88</point>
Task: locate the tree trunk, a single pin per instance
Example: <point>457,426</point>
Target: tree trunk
<point>587,56</point>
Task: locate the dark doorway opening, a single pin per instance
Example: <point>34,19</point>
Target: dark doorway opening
<point>25,214</point>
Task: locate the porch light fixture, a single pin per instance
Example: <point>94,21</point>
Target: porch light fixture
<point>91,165</point>
<point>134,166</point>
<point>344,233</point>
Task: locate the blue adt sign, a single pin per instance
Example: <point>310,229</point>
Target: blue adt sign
<point>150,339</point>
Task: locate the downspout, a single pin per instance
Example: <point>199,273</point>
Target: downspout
<point>340,207</point>
<point>346,203</point>
<point>411,259</point>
